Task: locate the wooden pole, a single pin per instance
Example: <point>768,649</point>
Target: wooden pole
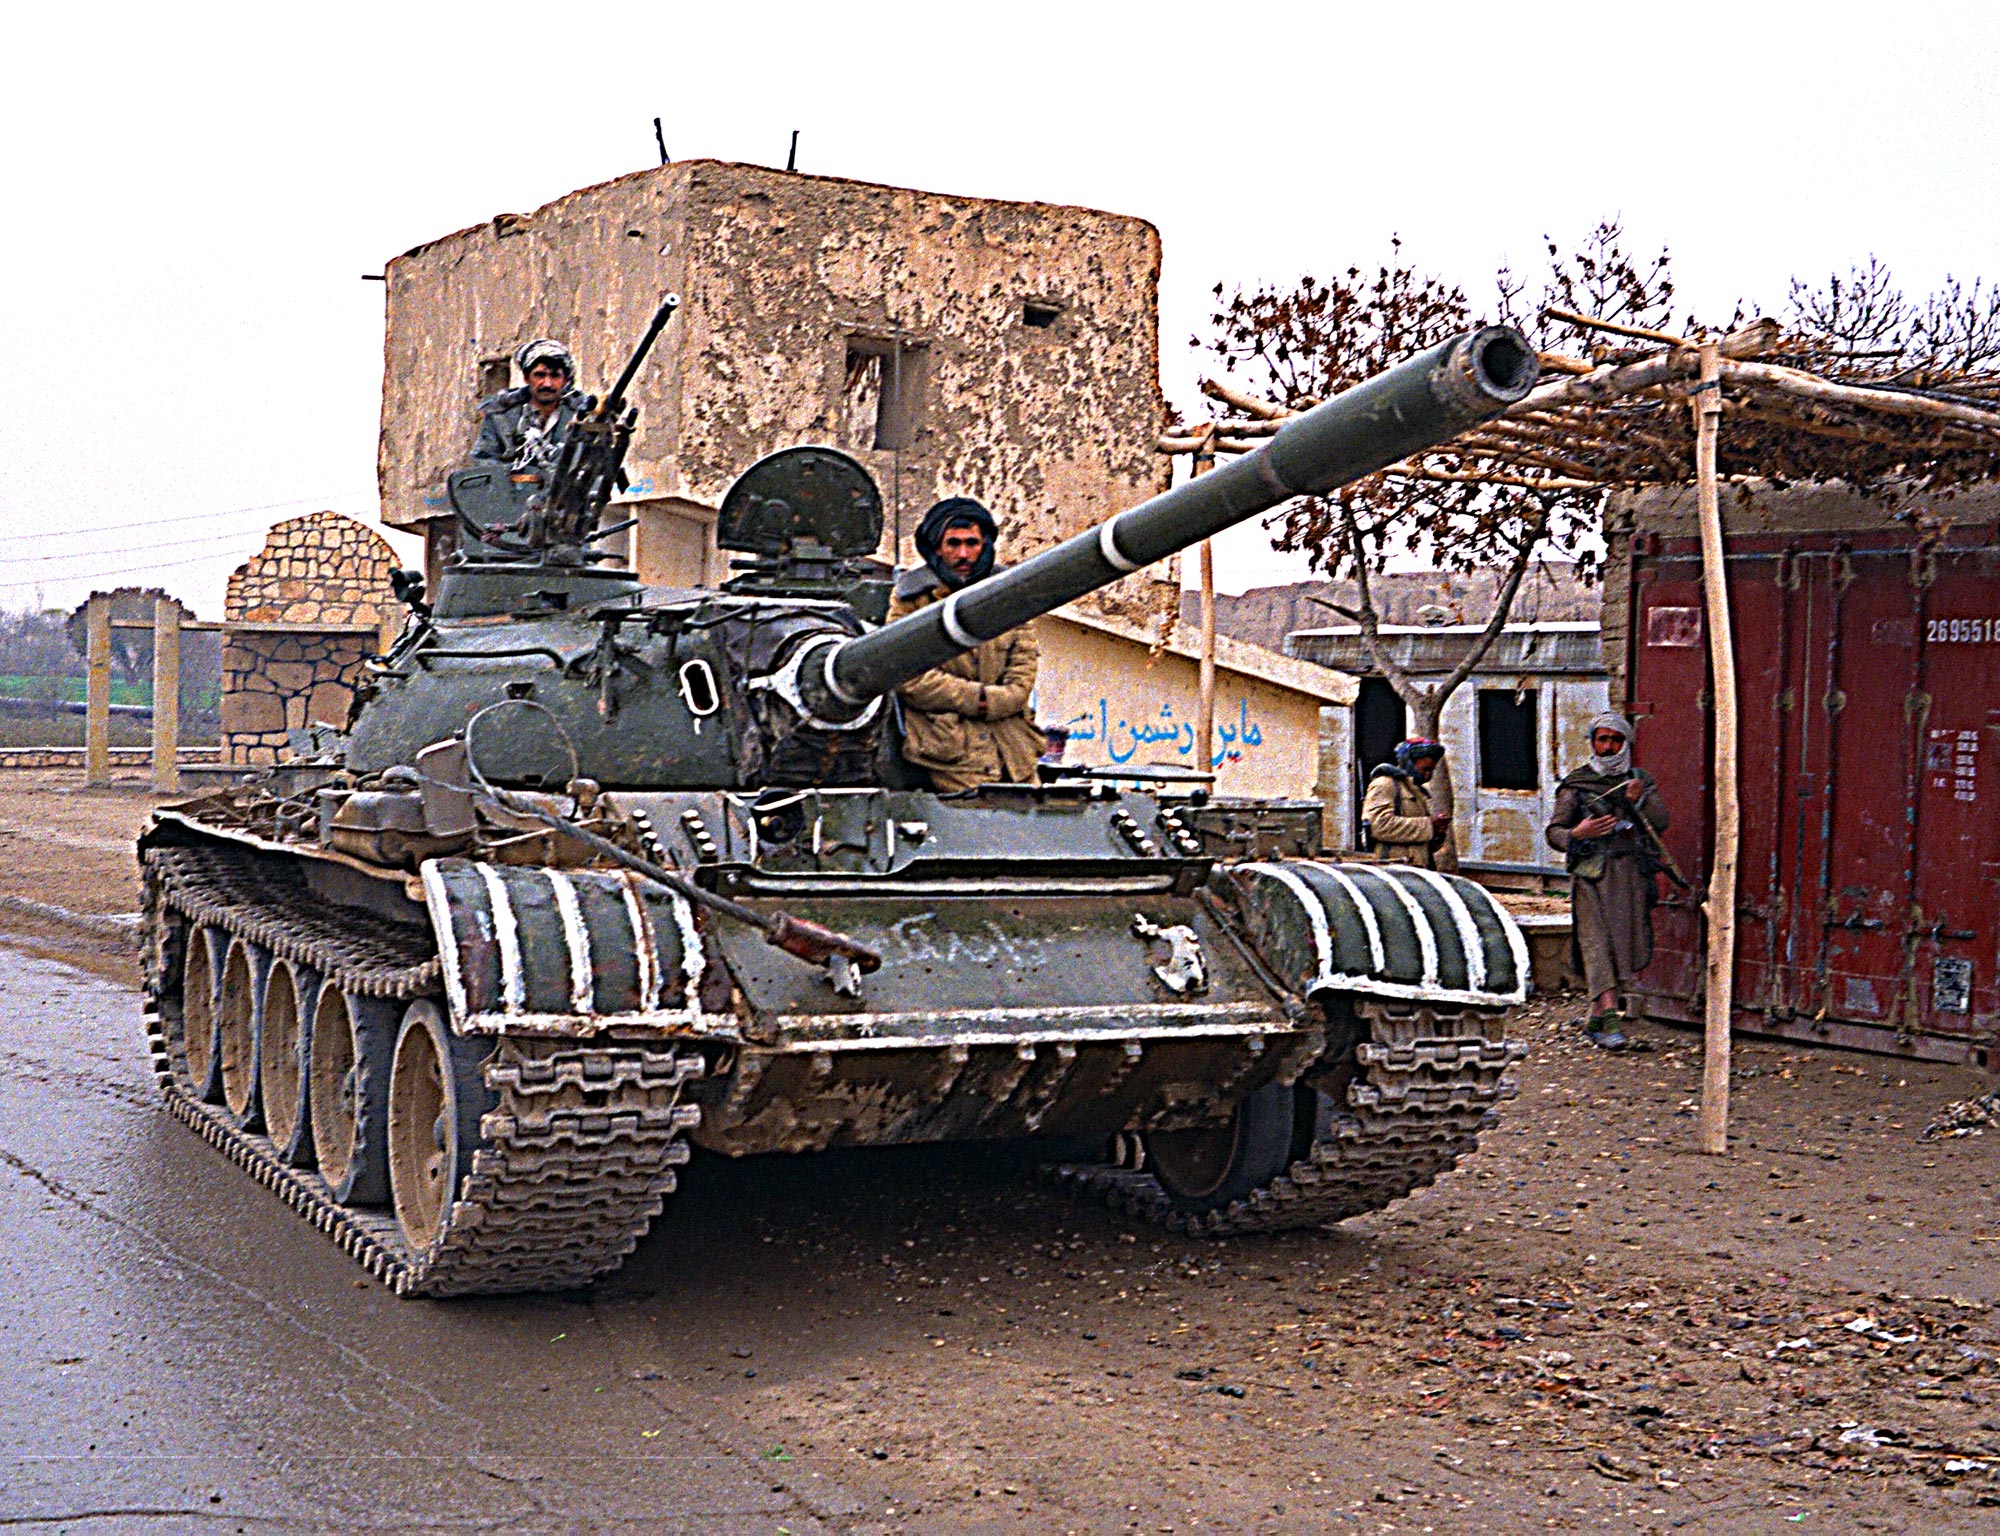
<point>97,697</point>
<point>1204,708</point>
<point>1204,713</point>
<point>166,695</point>
<point>1720,907</point>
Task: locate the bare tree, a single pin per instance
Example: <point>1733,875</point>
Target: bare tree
<point>1302,344</point>
<point>1861,326</point>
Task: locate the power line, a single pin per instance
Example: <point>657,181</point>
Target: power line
<point>162,522</point>
<point>135,549</point>
<point>122,570</point>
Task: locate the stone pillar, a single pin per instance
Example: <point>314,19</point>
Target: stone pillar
<point>97,706</point>
<point>166,695</point>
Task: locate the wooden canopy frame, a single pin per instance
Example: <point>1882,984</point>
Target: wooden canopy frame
<point>1630,417</point>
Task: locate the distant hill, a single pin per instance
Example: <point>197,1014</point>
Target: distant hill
<point>1265,615</point>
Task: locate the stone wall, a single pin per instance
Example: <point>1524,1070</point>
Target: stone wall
<point>323,568</point>
<point>73,757</point>
<point>301,617</point>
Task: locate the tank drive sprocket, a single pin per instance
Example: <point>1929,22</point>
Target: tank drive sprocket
<point>1416,1092</point>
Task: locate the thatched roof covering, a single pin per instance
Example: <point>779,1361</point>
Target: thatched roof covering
<point>1619,417</point>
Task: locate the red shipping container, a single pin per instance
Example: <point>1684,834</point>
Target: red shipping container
<point>1868,675</point>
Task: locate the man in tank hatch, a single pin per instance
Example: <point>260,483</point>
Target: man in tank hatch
<point>524,427</point>
<point>967,723</point>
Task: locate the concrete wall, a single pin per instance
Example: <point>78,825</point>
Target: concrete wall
<point>302,615</point>
<point>1124,705</point>
<point>791,284</point>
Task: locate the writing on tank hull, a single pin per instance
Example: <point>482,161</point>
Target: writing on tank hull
<point>917,939</point>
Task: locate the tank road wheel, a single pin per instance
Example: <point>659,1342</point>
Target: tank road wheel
<point>347,1071</point>
<point>197,1062</point>
<point>284,1047</point>
<point>436,1099</point>
<point>1204,1170</point>
<point>239,1018</point>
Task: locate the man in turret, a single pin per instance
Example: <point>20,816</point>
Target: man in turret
<point>524,427</point>
<point>1397,808</point>
<point>966,723</point>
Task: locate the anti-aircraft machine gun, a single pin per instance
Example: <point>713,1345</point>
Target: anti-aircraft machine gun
<point>604,872</point>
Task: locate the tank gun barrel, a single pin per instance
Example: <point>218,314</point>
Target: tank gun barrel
<point>1416,405</point>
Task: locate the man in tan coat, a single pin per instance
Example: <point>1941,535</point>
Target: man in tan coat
<point>967,722</point>
<point>1397,808</point>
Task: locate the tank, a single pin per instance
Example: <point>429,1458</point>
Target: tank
<point>603,874</point>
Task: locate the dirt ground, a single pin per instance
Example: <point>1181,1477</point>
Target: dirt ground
<point>1588,1324</point>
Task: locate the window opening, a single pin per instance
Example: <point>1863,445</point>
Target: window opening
<point>1508,721</point>
<point>1039,315</point>
<point>882,392</point>
<point>1380,723</point>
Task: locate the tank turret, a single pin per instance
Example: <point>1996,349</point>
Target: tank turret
<point>776,678</point>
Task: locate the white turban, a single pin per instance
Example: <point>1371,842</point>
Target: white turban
<point>1619,762</point>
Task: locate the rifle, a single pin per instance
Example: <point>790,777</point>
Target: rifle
<point>591,467</point>
<point>1628,812</point>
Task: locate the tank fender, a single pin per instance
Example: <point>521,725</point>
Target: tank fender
<point>530,950</point>
<point>1381,930</point>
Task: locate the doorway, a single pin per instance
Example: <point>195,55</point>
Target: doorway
<point>1380,721</point>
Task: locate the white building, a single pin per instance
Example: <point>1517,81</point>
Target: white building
<point>1510,732</point>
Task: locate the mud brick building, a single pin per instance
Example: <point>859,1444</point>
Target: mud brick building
<point>954,345</point>
<point>299,619</point>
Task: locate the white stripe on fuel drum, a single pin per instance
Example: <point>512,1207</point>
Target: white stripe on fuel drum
<point>1516,946</point>
<point>438,897</point>
<point>1426,940</point>
<point>1315,915</point>
<point>692,958</point>
<point>1461,917</point>
<point>642,944</point>
<point>576,937</point>
<point>507,937</point>
<point>1369,921</point>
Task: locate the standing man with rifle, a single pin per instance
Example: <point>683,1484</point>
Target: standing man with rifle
<point>1607,821</point>
<point>1402,827</point>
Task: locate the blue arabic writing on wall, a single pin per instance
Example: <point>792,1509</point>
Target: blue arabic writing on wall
<point>1122,739</point>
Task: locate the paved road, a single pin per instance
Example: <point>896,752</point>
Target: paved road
<point>179,1351</point>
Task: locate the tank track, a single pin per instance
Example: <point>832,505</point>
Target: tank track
<point>1426,1082</point>
<point>580,1149</point>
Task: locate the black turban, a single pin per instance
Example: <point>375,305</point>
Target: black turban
<point>956,512</point>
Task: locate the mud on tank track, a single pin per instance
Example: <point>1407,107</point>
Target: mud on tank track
<point>1426,1082</point>
<point>582,1140</point>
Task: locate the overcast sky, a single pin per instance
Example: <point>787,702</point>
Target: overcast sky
<point>193,192</point>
